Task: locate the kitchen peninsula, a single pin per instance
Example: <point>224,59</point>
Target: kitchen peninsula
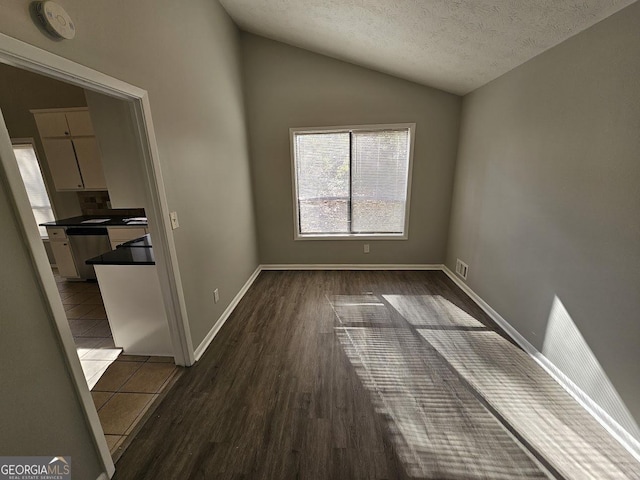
<point>132,298</point>
<point>75,239</point>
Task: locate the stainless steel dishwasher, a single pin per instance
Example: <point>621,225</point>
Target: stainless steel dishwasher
<point>86,243</point>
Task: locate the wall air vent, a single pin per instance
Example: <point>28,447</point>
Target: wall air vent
<point>462,268</point>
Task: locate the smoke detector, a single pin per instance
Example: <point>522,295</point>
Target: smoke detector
<point>55,20</point>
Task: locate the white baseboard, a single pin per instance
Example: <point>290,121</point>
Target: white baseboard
<point>350,266</point>
<point>199,351</point>
<point>630,443</point>
<point>103,476</point>
<point>225,315</point>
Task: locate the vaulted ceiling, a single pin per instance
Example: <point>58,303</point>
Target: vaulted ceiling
<point>453,45</point>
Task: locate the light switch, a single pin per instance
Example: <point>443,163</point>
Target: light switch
<point>174,220</point>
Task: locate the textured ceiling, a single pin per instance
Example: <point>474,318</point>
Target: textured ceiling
<point>454,45</point>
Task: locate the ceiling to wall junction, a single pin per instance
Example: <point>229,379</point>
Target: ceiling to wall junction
<point>453,45</point>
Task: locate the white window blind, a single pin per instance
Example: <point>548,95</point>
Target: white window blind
<point>34,184</point>
<point>323,182</point>
<point>380,169</point>
<point>352,182</point>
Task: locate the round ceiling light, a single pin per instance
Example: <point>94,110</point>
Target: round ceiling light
<point>55,20</point>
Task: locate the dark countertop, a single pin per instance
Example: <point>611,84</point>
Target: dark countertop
<point>133,252</point>
<point>114,221</point>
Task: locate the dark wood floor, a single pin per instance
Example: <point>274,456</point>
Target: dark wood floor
<point>363,375</point>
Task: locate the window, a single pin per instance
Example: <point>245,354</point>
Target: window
<point>34,183</point>
<point>352,182</point>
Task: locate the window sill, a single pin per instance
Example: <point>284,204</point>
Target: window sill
<point>399,236</point>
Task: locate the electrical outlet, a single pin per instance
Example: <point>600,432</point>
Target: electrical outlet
<point>366,248</point>
<point>216,296</point>
<point>174,220</point>
<point>462,268</point>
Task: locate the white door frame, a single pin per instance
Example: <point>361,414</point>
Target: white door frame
<point>27,57</point>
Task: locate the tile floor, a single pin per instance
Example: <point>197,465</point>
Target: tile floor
<point>125,393</point>
<point>124,387</point>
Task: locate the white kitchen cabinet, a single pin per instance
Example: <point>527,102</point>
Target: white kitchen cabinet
<point>64,258</point>
<point>56,233</point>
<point>62,122</point>
<point>79,122</point>
<point>88,156</point>
<point>63,163</point>
<point>52,124</point>
<point>71,148</point>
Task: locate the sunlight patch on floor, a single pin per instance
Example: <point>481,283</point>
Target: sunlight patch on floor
<point>551,421</point>
<point>429,310</point>
<point>356,309</point>
<point>437,427</point>
<point>95,361</point>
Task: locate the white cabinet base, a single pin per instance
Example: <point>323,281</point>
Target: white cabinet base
<point>64,259</point>
<point>135,309</point>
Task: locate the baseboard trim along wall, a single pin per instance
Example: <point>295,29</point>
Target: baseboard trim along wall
<point>199,351</point>
<point>351,266</point>
<point>225,315</point>
<point>614,428</point>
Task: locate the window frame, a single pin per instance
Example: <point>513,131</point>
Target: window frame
<point>344,129</point>
<point>31,141</point>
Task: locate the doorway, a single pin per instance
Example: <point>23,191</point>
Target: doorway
<point>27,57</point>
<point>82,300</point>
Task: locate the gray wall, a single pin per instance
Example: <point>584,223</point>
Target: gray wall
<point>186,55</point>
<point>114,126</point>
<point>546,202</point>
<point>21,91</point>
<point>288,87</point>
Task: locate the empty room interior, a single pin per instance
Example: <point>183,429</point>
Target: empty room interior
<point>341,239</point>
